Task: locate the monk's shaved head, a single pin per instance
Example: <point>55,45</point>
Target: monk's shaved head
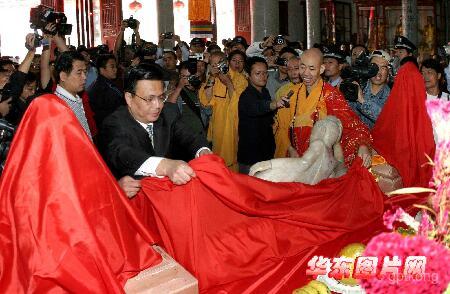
<point>313,55</point>
<point>311,67</point>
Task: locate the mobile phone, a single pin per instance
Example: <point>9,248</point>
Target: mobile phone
<point>289,95</point>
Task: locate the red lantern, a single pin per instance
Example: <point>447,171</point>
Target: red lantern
<point>178,4</point>
<point>135,6</point>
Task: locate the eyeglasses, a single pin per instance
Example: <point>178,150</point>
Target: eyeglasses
<point>152,98</point>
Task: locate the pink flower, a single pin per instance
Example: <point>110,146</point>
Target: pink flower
<point>437,271</point>
<point>392,216</point>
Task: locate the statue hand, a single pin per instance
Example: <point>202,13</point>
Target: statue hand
<point>259,167</point>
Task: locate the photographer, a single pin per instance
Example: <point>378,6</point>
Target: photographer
<point>371,99</point>
<point>275,42</point>
<point>180,45</point>
<point>186,96</point>
<point>221,92</point>
<point>22,84</point>
<point>119,48</point>
<point>279,77</point>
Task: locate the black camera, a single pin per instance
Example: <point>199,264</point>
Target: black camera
<point>42,15</point>
<point>6,135</point>
<point>281,61</point>
<point>223,66</point>
<point>279,40</point>
<point>147,50</point>
<point>361,72</point>
<point>443,52</point>
<point>168,35</point>
<point>131,23</point>
<point>193,79</point>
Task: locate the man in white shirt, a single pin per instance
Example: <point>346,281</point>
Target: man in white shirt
<point>432,74</point>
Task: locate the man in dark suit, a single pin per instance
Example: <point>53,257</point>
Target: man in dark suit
<point>104,96</point>
<point>139,139</point>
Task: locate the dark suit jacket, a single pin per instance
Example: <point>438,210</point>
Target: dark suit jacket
<point>125,144</point>
<point>104,98</point>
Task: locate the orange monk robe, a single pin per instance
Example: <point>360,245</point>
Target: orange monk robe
<point>325,100</point>
<point>223,126</point>
<point>283,120</point>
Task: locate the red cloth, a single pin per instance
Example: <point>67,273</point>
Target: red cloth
<point>403,133</point>
<point>65,224</point>
<point>240,233</point>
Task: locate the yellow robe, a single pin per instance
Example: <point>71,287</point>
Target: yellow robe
<point>283,119</point>
<point>223,125</point>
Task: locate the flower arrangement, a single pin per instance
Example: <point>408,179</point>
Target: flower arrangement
<point>431,234</point>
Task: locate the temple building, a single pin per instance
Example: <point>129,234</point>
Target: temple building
<point>373,23</point>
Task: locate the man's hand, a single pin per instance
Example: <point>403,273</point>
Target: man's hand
<point>130,186</point>
<point>268,42</point>
<point>136,29</point>
<point>225,79</point>
<point>365,155</point>
<point>176,38</point>
<point>123,25</point>
<point>360,94</point>
<point>29,42</point>
<point>5,106</point>
<point>178,171</point>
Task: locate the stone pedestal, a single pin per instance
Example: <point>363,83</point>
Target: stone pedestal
<point>167,277</point>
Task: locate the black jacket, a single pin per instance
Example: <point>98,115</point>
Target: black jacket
<point>125,144</point>
<point>256,140</point>
<point>104,98</point>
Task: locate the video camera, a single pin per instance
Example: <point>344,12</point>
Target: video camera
<point>361,72</point>
<point>42,15</point>
<point>6,134</point>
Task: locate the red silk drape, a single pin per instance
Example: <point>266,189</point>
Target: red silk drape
<point>242,234</point>
<point>65,224</point>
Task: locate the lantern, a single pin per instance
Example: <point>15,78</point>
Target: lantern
<point>135,6</point>
<point>178,4</point>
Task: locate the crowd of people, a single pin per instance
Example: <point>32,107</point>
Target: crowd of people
<point>150,109</point>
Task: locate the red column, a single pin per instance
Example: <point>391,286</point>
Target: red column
<point>242,19</point>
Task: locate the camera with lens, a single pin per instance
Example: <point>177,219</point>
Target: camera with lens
<point>168,35</point>
<point>223,66</point>
<point>361,72</point>
<point>147,52</point>
<point>281,61</point>
<point>6,135</point>
<point>279,40</point>
<point>131,23</point>
<point>444,52</point>
<point>42,15</point>
<point>193,79</point>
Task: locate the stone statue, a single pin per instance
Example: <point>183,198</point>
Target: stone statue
<point>323,159</point>
<point>399,28</point>
<point>428,36</point>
